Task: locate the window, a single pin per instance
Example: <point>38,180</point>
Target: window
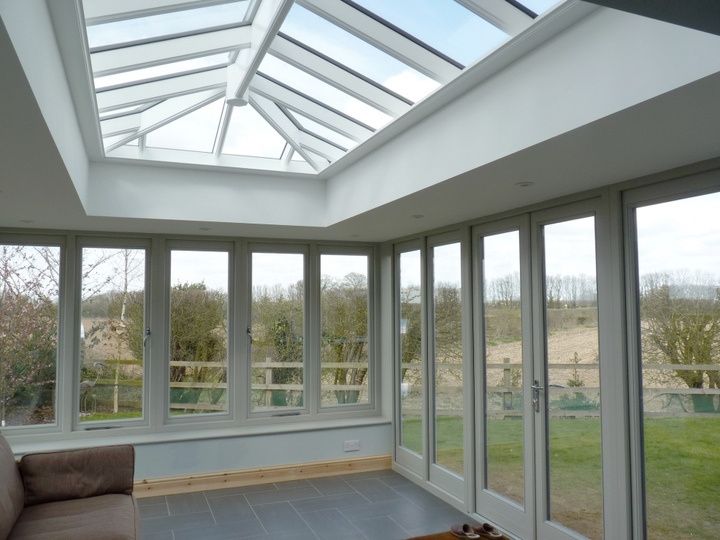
<point>344,310</point>
<point>411,357</point>
<point>198,332</point>
<point>678,279</point>
<point>277,331</point>
<point>29,295</point>
<point>112,333</point>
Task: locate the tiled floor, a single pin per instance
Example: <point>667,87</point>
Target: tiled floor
<point>380,505</point>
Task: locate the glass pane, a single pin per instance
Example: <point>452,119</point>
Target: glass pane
<point>278,330</point>
<point>112,320</point>
<point>198,332</point>
<point>324,93</point>
<point>411,394</point>
<point>249,134</point>
<point>166,24</point>
<point>503,365</point>
<point>573,387</point>
<point>29,285</point>
<point>356,54</point>
<point>344,332</point>
<point>448,357</point>
<point>444,25</point>
<point>194,132</point>
<point>679,273</point>
<point>162,71</point>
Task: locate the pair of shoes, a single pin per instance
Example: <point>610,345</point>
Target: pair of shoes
<point>487,531</point>
<point>464,531</point>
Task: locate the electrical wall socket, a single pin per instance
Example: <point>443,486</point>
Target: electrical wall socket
<point>352,446</point>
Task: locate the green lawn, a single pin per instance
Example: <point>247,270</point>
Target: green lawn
<point>681,456</point>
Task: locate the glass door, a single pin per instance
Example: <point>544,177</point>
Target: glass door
<point>566,382</point>
<point>539,452</point>
<point>503,360</point>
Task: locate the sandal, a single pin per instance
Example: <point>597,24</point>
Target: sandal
<point>464,531</point>
<point>487,531</point>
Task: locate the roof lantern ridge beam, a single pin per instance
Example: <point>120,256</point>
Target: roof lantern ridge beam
<point>105,11</point>
<point>340,78</point>
<point>265,25</point>
<point>167,111</point>
<point>284,126</point>
<point>164,51</point>
<point>384,38</point>
<point>499,13</point>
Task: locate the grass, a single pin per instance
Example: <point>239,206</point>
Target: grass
<point>681,466</point>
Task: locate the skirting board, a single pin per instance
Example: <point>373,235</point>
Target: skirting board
<point>264,475</point>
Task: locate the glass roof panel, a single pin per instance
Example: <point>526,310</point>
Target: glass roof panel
<point>249,134</point>
<point>324,132</point>
<point>195,131</point>
<point>163,70</point>
<point>166,24</point>
<point>338,74</point>
<point>444,25</point>
<point>322,92</point>
<point>358,55</point>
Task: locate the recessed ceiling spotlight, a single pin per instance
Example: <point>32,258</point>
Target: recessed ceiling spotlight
<point>417,216</point>
<point>27,221</point>
<point>524,184</point>
<point>354,236</point>
<point>205,228</point>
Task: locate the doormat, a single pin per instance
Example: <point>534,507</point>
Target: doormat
<point>445,535</point>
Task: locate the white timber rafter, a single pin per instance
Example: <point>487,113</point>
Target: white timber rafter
<point>167,111</point>
<point>103,11</point>
<point>384,38</point>
<point>499,13</point>
<point>311,109</point>
<point>338,77</point>
<point>132,57</point>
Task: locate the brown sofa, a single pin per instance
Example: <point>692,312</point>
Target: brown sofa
<point>73,494</point>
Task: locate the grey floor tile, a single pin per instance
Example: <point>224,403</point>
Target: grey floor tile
<point>421,497</point>
<point>279,495</point>
<point>374,490</point>
<point>331,525</point>
<point>426,521</point>
<point>226,531</point>
<point>395,480</point>
<point>187,503</point>
<point>151,500</point>
<point>305,534</point>
<point>382,528</point>
<point>379,509</point>
<point>179,522</point>
<point>165,535</point>
<point>330,501</point>
<point>331,485</point>
<point>230,508</point>
<point>239,490</point>
<point>279,517</point>
<point>154,510</point>
<point>292,484</point>
<point>368,474</point>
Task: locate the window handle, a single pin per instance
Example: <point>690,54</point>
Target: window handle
<point>249,333</point>
<point>536,395</point>
<point>147,336</point>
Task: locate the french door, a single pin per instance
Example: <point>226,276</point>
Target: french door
<point>539,457</point>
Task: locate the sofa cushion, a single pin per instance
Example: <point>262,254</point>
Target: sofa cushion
<point>77,474</point>
<point>12,495</point>
<point>110,517</point>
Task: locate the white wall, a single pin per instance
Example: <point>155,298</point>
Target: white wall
<point>161,460</point>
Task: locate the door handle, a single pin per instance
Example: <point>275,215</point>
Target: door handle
<point>536,395</point>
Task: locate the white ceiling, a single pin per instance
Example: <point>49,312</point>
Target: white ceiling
<point>661,115</point>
